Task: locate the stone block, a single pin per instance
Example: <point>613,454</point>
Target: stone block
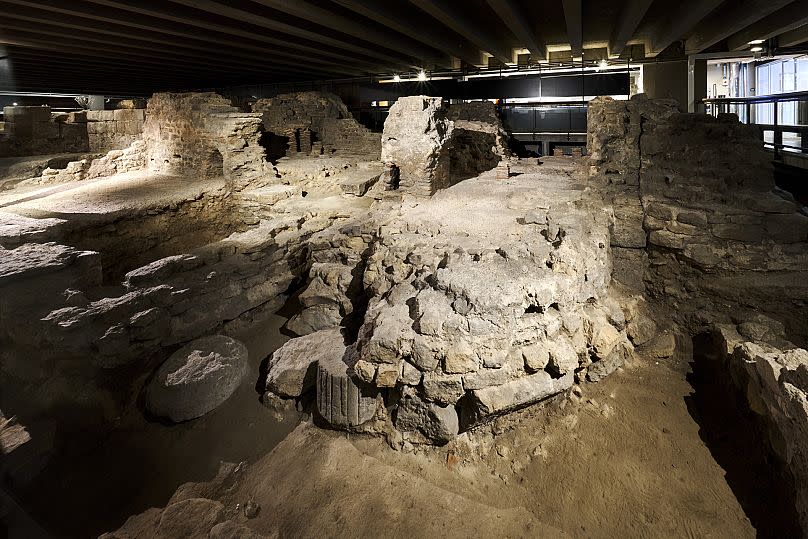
<point>489,401</point>
<point>664,238</point>
<point>341,401</point>
<point>787,228</point>
<point>739,232</point>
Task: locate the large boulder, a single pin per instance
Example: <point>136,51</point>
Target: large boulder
<point>197,378</point>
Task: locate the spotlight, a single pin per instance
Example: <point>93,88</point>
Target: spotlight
<point>756,42</point>
<point>396,78</point>
<point>421,75</point>
<point>14,104</point>
<point>603,64</point>
<point>756,49</point>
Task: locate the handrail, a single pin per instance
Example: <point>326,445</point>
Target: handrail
<point>771,98</point>
<point>745,108</point>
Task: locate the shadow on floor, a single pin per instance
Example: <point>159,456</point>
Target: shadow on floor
<point>737,442</point>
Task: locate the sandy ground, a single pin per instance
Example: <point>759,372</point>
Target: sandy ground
<point>130,192</point>
<point>625,458</point>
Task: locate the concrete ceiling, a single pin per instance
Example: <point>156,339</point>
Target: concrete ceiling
<point>138,46</point>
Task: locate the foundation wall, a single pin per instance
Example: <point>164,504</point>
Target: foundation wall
<point>35,131</point>
<point>109,130</point>
<point>698,221</point>
<point>201,135</point>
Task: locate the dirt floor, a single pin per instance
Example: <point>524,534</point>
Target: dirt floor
<point>92,484</point>
<point>640,454</point>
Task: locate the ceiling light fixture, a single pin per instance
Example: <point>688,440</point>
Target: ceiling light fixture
<point>756,49</point>
<point>421,75</point>
<point>756,42</point>
<point>396,78</point>
<point>603,64</point>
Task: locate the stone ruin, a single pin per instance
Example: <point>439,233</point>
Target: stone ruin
<point>433,145</point>
<point>202,135</point>
<point>701,229</point>
<point>35,130</point>
<point>305,123</point>
<point>430,293</point>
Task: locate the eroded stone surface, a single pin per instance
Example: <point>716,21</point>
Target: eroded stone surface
<point>292,369</point>
<point>197,378</point>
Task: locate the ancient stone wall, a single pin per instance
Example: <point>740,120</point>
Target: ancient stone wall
<point>770,378</point>
<point>200,134</point>
<point>35,131</point>
<point>114,162</point>
<point>113,129</point>
<point>434,146</point>
<point>304,119</point>
<point>698,220</point>
<point>415,133</point>
<point>479,141</point>
<point>347,136</point>
<point>450,318</point>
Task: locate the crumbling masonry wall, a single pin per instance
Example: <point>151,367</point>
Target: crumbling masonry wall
<point>434,146</point>
<point>109,130</point>
<point>36,131</point>
<point>698,221</point>
<point>201,135</point>
<point>313,122</point>
<point>700,227</point>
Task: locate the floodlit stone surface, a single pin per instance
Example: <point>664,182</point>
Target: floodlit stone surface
<point>431,295</point>
<point>415,132</point>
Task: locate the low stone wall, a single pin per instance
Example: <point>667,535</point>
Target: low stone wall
<point>35,131</point>
<point>109,130</point>
<point>347,136</point>
<point>201,135</point>
<point>771,378</point>
<point>115,162</point>
<point>699,223</point>
<point>314,121</point>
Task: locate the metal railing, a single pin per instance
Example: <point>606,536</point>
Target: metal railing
<point>752,109</point>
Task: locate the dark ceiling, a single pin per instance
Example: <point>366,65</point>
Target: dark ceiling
<point>136,47</point>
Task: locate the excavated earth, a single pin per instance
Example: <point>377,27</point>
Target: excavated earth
<point>626,456</point>
<point>487,353</point>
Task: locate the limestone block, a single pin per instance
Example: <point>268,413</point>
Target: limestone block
<point>667,239</point>
<point>197,378</point>
<point>439,424</point>
<point>520,392</point>
<point>415,132</point>
<point>292,368</point>
<point>604,367</point>
<point>443,388</point>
